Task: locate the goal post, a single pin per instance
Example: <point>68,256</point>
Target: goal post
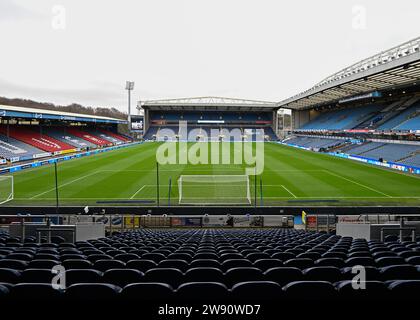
<point>214,189</point>
<point>6,189</point>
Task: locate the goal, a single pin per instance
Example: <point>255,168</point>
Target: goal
<point>6,189</point>
<point>214,189</point>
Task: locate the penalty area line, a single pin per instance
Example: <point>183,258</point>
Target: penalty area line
<point>137,192</point>
<point>359,184</point>
<point>65,184</point>
<point>288,191</point>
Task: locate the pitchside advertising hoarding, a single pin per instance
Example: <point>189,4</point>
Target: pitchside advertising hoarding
<point>391,165</point>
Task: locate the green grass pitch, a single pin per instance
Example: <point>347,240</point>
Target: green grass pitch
<point>291,177</point>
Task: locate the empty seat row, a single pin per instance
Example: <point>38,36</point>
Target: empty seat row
<point>214,291</point>
<point>174,277</point>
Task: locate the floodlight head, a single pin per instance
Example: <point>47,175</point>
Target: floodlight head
<point>129,85</point>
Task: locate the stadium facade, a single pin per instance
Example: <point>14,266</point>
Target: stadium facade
<point>204,115</point>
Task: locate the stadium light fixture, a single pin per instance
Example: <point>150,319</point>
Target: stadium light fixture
<point>129,85</point>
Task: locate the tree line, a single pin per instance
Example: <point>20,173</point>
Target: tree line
<point>74,107</point>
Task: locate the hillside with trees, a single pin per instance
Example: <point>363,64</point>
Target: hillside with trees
<point>74,107</point>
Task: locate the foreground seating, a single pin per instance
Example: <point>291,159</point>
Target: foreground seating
<point>264,264</point>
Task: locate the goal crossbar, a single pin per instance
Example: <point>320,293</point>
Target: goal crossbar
<point>214,189</point>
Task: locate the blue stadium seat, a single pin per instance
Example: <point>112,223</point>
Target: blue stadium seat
<point>265,264</point>
<point>324,273</point>
<point>405,290</point>
<point>9,275</point>
<point>202,291</point>
<point>334,262</point>
<point>368,291</point>
<point>4,291</point>
<point>142,265</point>
<point>400,272</point>
<point>256,291</point>
<point>235,263</point>
<point>92,292</point>
<point>310,290</point>
<point>205,263</point>
<point>284,275</point>
<point>205,274</point>
<point>43,264</point>
<point>122,277</point>
<point>147,291</point>
<point>242,274</point>
<point>174,263</point>
<point>83,276</point>
<point>107,264</point>
<point>301,263</point>
<point>171,276</point>
<point>35,292</point>
<point>77,264</point>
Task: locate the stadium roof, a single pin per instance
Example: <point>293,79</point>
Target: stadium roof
<point>33,113</point>
<point>208,103</point>
<point>395,67</point>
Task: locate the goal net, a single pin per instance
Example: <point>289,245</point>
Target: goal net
<point>214,189</point>
<point>6,189</point>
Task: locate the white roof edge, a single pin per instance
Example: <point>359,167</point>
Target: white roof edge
<point>208,100</point>
<point>390,58</point>
<point>53,112</point>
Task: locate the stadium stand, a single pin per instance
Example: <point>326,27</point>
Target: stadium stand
<point>399,116</point>
<point>60,133</point>
<point>151,133</point>
<point>169,132</point>
<point>40,141</point>
<point>358,149</point>
<point>269,132</point>
<point>209,113</point>
<point>216,115</point>
<point>195,133</point>
<point>31,133</point>
<point>229,264</point>
<point>89,137</point>
<point>116,136</point>
<point>390,151</point>
<point>395,152</point>
<point>412,160</point>
<point>314,142</point>
<point>11,148</point>
<point>342,119</point>
<point>106,137</point>
<point>413,123</point>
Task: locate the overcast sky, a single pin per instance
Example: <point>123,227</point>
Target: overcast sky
<point>65,51</point>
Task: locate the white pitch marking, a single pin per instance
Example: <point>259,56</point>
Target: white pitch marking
<point>300,197</point>
<point>65,184</point>
<point>137,192</point>
<point>288,191</point>
<point>360,184</point>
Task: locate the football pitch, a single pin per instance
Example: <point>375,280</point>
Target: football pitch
<point>291,177</point>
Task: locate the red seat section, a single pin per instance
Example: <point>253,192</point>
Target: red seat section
<point>36,139</point>
<point>89,137</point>
<point>116,136</point>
